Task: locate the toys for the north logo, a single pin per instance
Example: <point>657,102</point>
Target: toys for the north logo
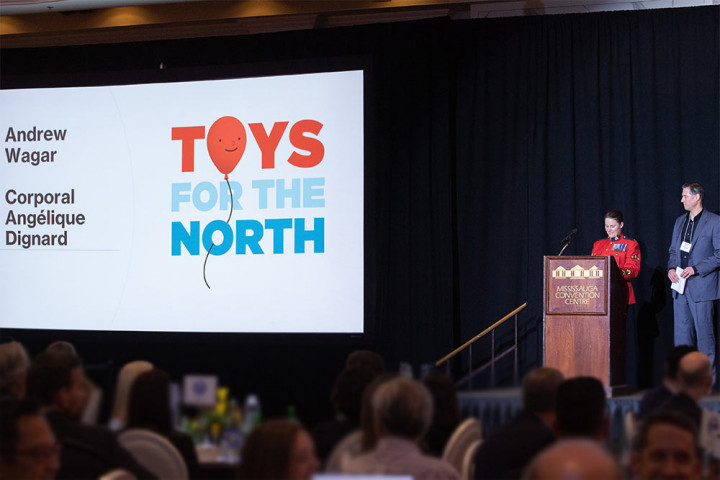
<point>226,141</point>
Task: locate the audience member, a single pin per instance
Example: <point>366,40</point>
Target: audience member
<point>507,451</point>
<point>57,381</point>
<point>696,379</point>
<point>574,459</point>
<point>61,346</point>
<point>279,450</point>
<point>581,409</point>
<point>14,363</point>
<point>93,399</point>
<point>446,416</point>
<point>366,360</point>
<point>127,375</point>
<point>149,408</point>
<point>666,446</point>
<point>28,450</point>
<point>402,409</point>
<point>670,383</point>
<point>368,425</point>
<point>347,400</point>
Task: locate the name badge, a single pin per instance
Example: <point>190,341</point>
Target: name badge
<point>685,247</point>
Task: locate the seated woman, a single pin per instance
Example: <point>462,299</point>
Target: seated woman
<point>127,375</point>
<point>279,450</point>
<point>149,408</point>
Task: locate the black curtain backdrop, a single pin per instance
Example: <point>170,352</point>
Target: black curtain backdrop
<point>486,142</point>
<point>560,119</point>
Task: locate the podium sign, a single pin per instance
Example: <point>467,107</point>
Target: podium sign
<point>576,286</point>
<point>584,319</point>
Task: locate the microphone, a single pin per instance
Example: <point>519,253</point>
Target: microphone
<point>568,238</point>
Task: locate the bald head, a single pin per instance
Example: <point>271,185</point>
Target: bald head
<point>695,374</point>
<point>574,460</point>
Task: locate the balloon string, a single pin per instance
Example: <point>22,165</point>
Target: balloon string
<point>204,264</point>
<point>213,243</point>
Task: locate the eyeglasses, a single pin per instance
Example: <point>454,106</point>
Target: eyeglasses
<point>41,453</point>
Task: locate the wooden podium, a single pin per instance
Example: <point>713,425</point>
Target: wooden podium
<point>584,319</point>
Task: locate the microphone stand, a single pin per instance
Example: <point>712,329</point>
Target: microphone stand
<point>567,240</point>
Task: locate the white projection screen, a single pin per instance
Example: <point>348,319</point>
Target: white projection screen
<point>113,196</point>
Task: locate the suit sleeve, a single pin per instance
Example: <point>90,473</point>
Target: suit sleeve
<point>711,263</point>
<point>674,260</point>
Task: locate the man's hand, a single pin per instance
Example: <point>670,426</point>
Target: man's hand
<point>687,272</point>
<point>673,276</point>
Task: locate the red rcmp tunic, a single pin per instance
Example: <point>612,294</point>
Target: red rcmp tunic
<point>626,252</point>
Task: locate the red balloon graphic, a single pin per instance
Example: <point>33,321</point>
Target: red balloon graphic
<point>226,142</point>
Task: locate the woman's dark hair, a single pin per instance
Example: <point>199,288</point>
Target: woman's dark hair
<point>446,414</point>
<point>149,402</point>
<point>267,451</point>
<point>615,215</point>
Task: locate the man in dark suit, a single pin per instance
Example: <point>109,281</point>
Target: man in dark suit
<point>57,380</point>
<point>511,447</point>
<point>695,250</point>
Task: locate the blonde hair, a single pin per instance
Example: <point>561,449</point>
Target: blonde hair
<point>127,375</point>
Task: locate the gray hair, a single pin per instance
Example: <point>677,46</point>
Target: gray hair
<point>403,408</point>
<point>695,189</point>
<point>14,363</point>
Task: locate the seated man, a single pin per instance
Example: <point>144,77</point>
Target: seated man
<point>501,455</point>
<point>403,411</point>
<point>670,384</point>
<point>581,410</point>
<point>574,459</point>
<point>696,379</point>
<point>57,381</point>
<point>666,446</point>
<point>28,450</point>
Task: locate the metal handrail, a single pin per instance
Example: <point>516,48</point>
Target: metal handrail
<point>491,363</point>
<point>479,336</point>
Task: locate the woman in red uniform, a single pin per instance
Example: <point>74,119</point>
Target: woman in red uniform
<point>626,251</point>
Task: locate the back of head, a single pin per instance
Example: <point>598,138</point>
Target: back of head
<point>127,375</point>
<point>368,423</point>
<point>581,408</point>
<point>348,392</point>
<point>672,362</point>
<point>50,372</point>
<point>61,346</point>
<point>267,450</point>
<point>444,396</point>
<point>695,374</point>
<point>539,389</point>
<point>575,459</point>
<point>366,360</point>
<point>14,364</point>
<point>149,402</point>
<point>402,408</point>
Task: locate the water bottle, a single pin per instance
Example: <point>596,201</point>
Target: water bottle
<point>252,413</point>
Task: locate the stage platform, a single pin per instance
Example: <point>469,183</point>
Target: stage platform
<point>495,407</point>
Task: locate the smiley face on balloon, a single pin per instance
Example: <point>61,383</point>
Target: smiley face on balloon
<point>226,142</point>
